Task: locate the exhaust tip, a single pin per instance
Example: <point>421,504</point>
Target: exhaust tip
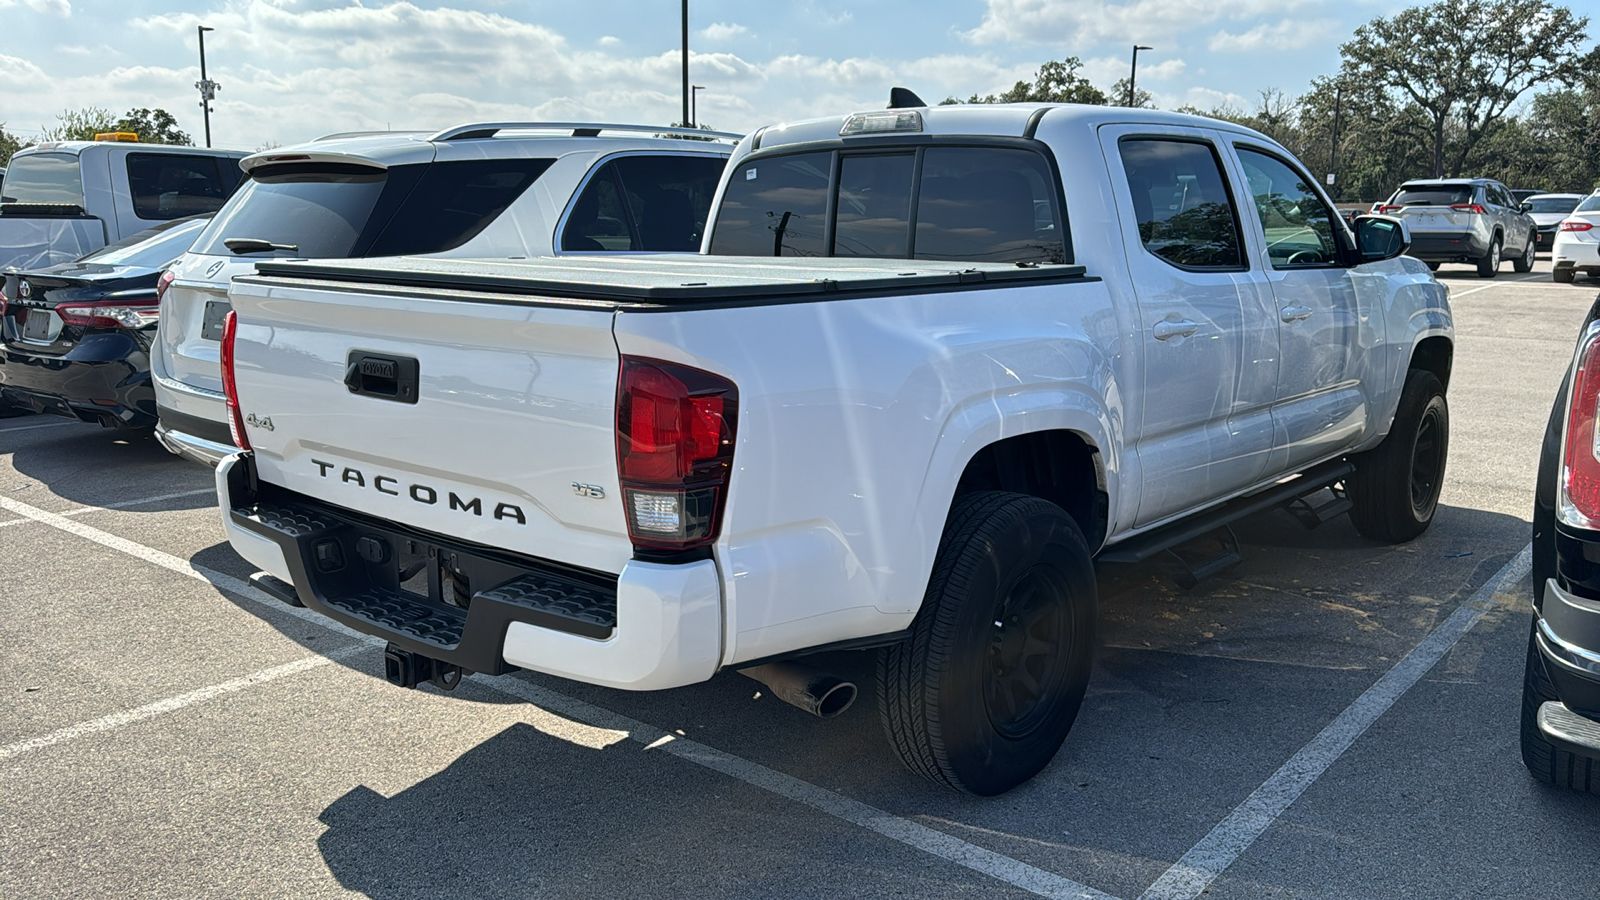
<point>836,700</point>
<point>818,693</point>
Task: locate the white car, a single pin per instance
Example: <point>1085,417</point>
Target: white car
<point>1547,211</point>
<point>1577,244</point>
<point>494,190</point>
<point>930,364</point>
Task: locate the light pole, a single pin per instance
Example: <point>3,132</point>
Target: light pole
<point>1133,71</point>
<point>208,88</point>
<point>1333,151</point>
<point>685,61</point>
<point>694,104</point>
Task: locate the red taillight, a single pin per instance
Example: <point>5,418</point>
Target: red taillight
<point>162,283</point>
<point>1576,226</point>
<point>230,390</point>
<point>1390,209</point>
<point>1468,207</point>
<point>675,434</point>
<point>110,314</point>
<point>1579,503</point>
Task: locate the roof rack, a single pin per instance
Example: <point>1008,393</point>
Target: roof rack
<point>341,135</point>
<point>578,129</point>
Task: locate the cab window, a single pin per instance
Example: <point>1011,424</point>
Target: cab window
<point>1181,203</point>
<point>1296,225</point>
<point>775,206</point>
<point>170,186</point>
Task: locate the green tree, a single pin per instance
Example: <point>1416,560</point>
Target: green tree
<point>1463,63</point>
<point>1056,81</point>
<point>79,124</point>
<point>9,144</point>
<point>1142,99</point>
<point>153,126</point>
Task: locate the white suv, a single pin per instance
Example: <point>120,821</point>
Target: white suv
<point>493,190</point>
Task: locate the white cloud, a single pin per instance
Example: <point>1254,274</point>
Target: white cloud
<point>1083,22</point>
<point>62,8</point>
<point>610,40</point>
<point>1107,70</point>
<point>723,31</point>
<point>1290,34</point>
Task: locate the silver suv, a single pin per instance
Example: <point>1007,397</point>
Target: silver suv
<point>485,190</point>
<point>1465,220</point>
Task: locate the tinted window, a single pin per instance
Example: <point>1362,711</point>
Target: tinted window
<point>151,248</point>
<point>44,178</point>
<point>1589,204</point>
<point>1433,195</point>
<point>653,203</point>
<point>775,207</point>
<point>1181,202</point>
<point>1298,226</point>
<point>452,202</point>
<point>987,205</point>
<point>169,186</point>
<point>873,216</point>
<point>320,210</point>
<point>1552,204</point>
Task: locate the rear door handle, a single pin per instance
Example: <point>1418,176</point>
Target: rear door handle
<point>1166,331</point>
<point>1295,313</point>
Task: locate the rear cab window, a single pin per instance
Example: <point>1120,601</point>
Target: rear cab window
<point>342,210</point>
<point>174,186</point>
<point>977,203</point>
<point>52,178</point>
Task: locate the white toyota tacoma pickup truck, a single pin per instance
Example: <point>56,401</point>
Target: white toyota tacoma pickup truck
<point>996,343</point>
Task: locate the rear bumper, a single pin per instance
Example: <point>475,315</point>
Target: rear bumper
<point>653,626</point>
<point>193,437</point>
<point>1567,630</point>
<point>105,378</point>
<point>1576,254</point>
<point>1448,246</point>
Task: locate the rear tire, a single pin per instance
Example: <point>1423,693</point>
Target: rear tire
<point>1489,266</point>
<point>1545,761</point>
<point>1395,487</point>
<point>1563,274</point>
<point>983,693</point>
<point>1525,263</point>
<point>1433,267</point>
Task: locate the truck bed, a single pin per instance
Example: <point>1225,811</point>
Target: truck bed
<point>662,280</point>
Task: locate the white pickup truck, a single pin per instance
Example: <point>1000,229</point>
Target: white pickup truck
<point>1020,338</point>
<point>64,199</point>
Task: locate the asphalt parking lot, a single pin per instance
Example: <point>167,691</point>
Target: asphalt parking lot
<point>1331,718</point>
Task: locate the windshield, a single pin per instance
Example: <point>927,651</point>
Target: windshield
<point>152,248</point>
<point>44,178</point>
<point>1561,205</point>
<point>1433,195</point>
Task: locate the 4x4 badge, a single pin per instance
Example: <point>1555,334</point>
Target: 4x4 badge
<point>262,422</point>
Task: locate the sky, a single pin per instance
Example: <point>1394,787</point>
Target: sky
<point>291,70</point>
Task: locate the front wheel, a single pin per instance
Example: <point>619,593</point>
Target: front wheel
<point>1525,263</point>
<point>982,694</point>
<point>1394,491</point>
<point>1489,264</point>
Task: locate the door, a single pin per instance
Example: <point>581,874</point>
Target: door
<point>1209,349</point>
<point>1325,331</point>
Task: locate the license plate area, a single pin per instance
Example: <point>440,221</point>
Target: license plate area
<point>211,323</point>
<point>37,327</point>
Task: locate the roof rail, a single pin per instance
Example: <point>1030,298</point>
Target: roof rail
<point>578,129</point>
<point>341,135</point>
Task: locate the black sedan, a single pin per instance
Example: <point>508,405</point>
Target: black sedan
<point>75,338</point>
<point>1561,684</point>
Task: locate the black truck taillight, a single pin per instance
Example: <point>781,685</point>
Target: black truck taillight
<point>230,389</point>
<point>675,434</point>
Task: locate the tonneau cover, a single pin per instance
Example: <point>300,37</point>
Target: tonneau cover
<point>665,279</point>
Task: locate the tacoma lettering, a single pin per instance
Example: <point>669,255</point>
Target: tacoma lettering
<point>420,493</point>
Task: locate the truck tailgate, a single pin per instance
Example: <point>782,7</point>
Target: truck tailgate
<point>508,442</point>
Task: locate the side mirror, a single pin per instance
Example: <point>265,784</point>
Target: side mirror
<point>1526,206</point>
<point>1381,237</point>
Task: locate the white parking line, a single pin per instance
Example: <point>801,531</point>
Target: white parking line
<point>1457,296</point>
<point>1191,875</point>
<point>173,704</point>
<point>124,504</point>
<point>912,834</point>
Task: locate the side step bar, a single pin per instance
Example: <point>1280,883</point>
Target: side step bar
<point>1152,543</point>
